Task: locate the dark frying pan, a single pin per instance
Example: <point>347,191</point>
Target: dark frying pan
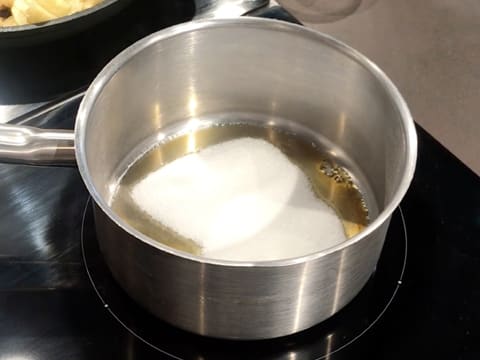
<point>41,62</point>
<point>68,25</point>
<point>61,27</point>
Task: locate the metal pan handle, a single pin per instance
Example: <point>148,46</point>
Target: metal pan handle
<point>28,145</point>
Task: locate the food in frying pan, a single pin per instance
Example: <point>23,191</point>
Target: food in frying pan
<point>25,12</point>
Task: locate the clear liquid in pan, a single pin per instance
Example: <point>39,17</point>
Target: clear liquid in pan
<point>330,183</point>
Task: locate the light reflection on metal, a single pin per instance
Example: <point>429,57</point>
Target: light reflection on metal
<point>228,10</point>
<point>192,105</point>
<point>161,136</point>
<point>300,297</point>
<point>209,9</point>
<point>192,127</point>
<point>28,145</point>
<point>339,283</point>
<point>157,115</point>
<point>112,188</point>
<point>342,122</point>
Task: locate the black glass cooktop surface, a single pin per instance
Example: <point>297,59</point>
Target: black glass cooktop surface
<point>59,301</point>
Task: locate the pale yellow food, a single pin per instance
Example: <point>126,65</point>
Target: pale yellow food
<point>6,3</point>
<point>9,21</point>
<point>26,12</point>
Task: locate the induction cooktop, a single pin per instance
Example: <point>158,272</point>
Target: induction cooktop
<point>59,301</point>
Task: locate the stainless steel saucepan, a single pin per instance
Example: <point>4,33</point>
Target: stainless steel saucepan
<point>246,65</point>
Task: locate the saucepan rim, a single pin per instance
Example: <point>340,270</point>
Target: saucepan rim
<point>109,71</point>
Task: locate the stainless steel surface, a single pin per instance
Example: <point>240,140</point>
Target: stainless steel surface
<point>311,79</point>
<point>431,50</point>
<point>217,9</point>
<point>29,145</point>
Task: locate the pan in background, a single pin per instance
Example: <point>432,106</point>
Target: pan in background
<point>60,27</point>
<point>39,64</point>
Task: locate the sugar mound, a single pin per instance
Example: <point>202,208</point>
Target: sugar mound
<point>240,200</point>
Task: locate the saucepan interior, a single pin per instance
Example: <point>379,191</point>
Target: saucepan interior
<point>249,66</point>
<point>273,73</point>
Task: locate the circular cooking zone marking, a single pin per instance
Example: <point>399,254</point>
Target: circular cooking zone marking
<point>319,342</point>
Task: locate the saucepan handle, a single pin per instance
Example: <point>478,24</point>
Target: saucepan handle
<point>21,144</point>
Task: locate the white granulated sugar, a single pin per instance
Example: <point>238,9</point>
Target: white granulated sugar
<point>240,200</point>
